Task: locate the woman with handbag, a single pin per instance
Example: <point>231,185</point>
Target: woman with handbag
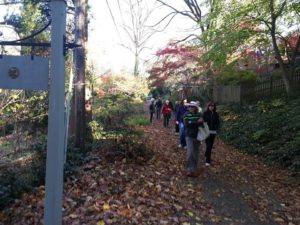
<point>211,117</point>
<point>192,120</point>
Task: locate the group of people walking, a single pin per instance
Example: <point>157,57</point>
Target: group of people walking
<point>159,108</point>
<point>189,118</point>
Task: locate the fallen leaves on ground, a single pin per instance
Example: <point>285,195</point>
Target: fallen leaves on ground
<point>157,191</point>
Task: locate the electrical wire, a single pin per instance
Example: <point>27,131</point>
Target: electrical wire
<point>32,35</point>
<point>113,18</point>
<point>22,2</point>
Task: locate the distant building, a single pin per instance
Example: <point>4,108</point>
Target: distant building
<point>8,33</point>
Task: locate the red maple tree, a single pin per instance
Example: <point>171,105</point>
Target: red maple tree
<point>177,63</point>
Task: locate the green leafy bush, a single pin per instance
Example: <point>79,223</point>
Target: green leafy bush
<point>21,175</point>
<point>131,145</point>
<point>269,129</point>
<point>261,135</point>
<point>137,120</point>
<point>231,76</point>
<point>113,109</point>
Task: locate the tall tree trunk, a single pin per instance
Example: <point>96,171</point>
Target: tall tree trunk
<point>136,64</point>
<point>285,71</point>
<point>80,64</point>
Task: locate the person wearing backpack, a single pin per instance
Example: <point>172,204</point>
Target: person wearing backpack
<point>158,105</point>
<point>211,117</point>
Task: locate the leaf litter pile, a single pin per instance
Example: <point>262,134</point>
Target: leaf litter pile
<point>236,189</point>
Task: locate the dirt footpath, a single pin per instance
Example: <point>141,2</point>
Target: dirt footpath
<point>236,189</point>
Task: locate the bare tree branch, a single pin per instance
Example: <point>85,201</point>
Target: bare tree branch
<point>178,11</point>
<point>186,38</point>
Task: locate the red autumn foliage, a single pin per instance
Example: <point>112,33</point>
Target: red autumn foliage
<point>173,60</point>
<point>292,42</point>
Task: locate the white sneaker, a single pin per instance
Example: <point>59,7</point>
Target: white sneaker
<point>207,164</point>
<point>179,146</point>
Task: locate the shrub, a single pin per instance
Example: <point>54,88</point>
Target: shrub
<point>21,175</point>
<point>137,120</point>
<point>131,145</point>
<point>231,76</point>
<point>269,129</point>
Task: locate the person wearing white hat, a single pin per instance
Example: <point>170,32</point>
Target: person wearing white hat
<point>192,120</point>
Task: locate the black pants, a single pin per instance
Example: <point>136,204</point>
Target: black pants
<point>158,113</point>
<point>209,145</point>
<point>151,116</point>
<point>166,120</point>
<point>176,128</point>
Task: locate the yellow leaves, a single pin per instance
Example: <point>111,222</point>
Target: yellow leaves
<point>126,212</point>
<point>186,223</point>
<point>105,207</point>
<point>145,194</point>
<point>178,207</point>
<point>190,214</point>
<point>100,223</point>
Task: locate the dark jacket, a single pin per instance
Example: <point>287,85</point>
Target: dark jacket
<point>152,108</point>
<point>158,104</point>
<point>191,124</point>
<point>212,119</point>
<point>182,109</point>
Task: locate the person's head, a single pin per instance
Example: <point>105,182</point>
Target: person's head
<point>193,107</point>
<point>183,101</point>
<point>211,106</point>
<point>167,102</point>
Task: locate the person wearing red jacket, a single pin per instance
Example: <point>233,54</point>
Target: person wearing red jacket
<point>166,111</point>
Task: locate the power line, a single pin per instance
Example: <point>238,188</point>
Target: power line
<point>12,3</point>
<point>113,18</point>
<point>33,34</point>
<point>20,2</point>
<point>24,2</point>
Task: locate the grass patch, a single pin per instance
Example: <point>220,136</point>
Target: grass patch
<point>137,120</point>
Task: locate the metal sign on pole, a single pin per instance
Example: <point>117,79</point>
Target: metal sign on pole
<point>32,73</point>
<point>56,121</point>
<point>24,72</point>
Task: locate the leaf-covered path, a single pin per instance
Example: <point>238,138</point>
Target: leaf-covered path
<point>237,189</point>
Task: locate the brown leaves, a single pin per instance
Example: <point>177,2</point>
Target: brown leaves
<point>157,192</point>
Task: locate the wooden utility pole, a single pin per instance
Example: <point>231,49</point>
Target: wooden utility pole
<point>81,34</point>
